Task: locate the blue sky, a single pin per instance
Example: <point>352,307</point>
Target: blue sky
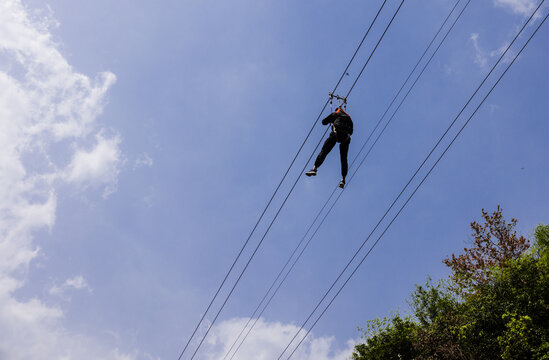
<point>141,140</point>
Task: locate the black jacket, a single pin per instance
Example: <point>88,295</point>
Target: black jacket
<point>341,121</point>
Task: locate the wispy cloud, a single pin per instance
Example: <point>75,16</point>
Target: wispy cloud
<point>143,160</point>
<point>267,341</point>
<point>74,283</point>
<point>521,7</point>
<point>44,103</point>
<point>480,55</point>
<point>98,167</point>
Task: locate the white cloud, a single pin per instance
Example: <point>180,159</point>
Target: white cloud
<point>521,7</point>
<point>44,103</point>
<point>97,167</point>
<point>74,283</point>
<point>77,283</point>
<point>267,340</point>
<point>480,55</point>
<point>32,330</point>
<point>143,160</point>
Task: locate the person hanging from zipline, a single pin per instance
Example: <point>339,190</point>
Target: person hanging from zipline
<point>342,129</point>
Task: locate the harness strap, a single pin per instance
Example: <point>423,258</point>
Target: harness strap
<point>341,109</point>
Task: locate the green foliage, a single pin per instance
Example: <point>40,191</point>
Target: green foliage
<point>542,352</point>
<point>390,339</point>
<point>500,312</point>
<point>516,340</point>
<point>436,310</point>
<point>542,238</point>
<point>430,302</point>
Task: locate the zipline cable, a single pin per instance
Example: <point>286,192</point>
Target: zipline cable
<point>350,179</point>
<point>255,251</point>
<point>419,185</point>
<point>280,184</point>
<point>279,209</point>
<point>265,296</point>
<point>428,173</point>
<point>373,51</point>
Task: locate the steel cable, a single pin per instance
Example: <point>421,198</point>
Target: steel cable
<point>350,179</point>
<point>276,191</point>
<point>422,181</point>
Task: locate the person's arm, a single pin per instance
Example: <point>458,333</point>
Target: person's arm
<point>329,119</point>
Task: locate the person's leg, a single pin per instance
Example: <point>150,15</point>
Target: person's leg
<point>343,151</point>
<point>326,148</point>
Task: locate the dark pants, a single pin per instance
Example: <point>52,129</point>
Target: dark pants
<point>329,144</point>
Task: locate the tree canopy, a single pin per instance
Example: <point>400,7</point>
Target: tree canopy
<point>495,304</point>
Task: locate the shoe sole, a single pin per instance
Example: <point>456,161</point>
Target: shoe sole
<point>310,174</point>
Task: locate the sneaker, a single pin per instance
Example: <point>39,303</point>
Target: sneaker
<point>311,172</point>
<point>342,183</point>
